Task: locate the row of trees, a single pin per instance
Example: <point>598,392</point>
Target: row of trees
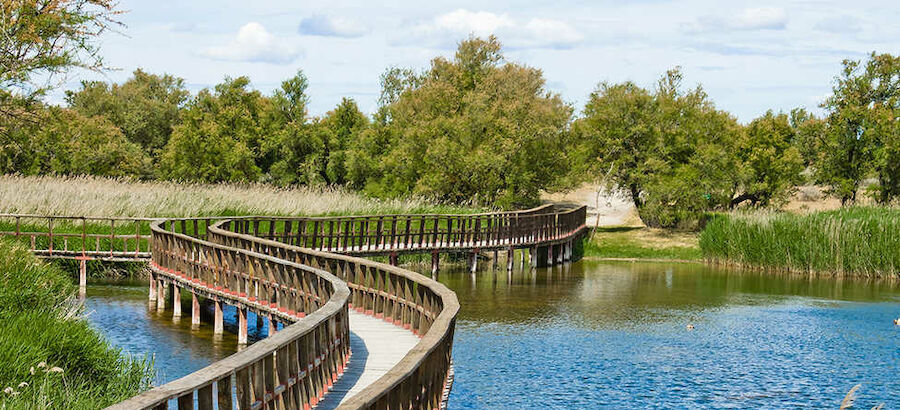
<point>471,128</point>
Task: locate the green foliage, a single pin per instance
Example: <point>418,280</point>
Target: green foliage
<point>39,323</point>
<point>854,241</point>
<point>771,163</point>
<point>224,136</point>
<point>69,143</point>
<point>862,135</point>
<point>145,107</point>
<point>42,39</point>
<point>809,134</point>
<point>472,128</point>
<point>670,150</point>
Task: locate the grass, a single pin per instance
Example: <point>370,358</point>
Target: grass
<point>49,355</point>
<point>859,241</point>
<point>95,196</point>
<point>642,243</point>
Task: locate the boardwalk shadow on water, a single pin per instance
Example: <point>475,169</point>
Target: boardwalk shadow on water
<point>352,373</point>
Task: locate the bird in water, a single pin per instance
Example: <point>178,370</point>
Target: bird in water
<point>897,321</point>
<point>691,327</point>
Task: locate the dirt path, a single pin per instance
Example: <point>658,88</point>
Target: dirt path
<point>612,209</point>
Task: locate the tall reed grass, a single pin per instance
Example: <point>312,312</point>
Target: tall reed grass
<point>96,196</point>
<point>50,357</point>
<point>859,241</point>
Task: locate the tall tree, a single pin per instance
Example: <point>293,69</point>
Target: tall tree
<point>471,128</point>
<point>146,107</point>
<point>861,136</point>
<point>770,162</point>
<point>670,150</point>
<point>225,135</point>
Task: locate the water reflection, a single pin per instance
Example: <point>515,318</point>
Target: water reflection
<point>597,334</point>
<point>121,312</point>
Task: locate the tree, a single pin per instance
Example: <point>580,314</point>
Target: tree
<point>69,143</point>
<point>809,135</point>
<point>861,133</point>
<point>771,164</point>
<point>225,135</point>
<point>41,40</point>
<point>344,124</point>
<point>471,128</point>
<point>670,150</point>
<point>146,107</point>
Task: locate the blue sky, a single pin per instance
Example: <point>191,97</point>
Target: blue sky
<point>750,56</point>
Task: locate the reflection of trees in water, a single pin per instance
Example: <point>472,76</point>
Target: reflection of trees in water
<point>628,294</point>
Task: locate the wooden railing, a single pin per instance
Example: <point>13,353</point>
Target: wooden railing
<point>404,298</point>
<point>292,368</point>
<point>78,237</point>
<point>371,235</point>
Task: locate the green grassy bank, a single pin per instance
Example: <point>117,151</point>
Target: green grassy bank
<point>853,241</point>
<point>642,243</point>
<point>49,356</point>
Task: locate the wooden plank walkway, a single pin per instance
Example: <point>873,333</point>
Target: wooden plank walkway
<point>375,346</point>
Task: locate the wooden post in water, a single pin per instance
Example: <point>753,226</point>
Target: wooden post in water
<point>160,295</point>
<point>560,253</point>
<point>218,320</point>
<point>550,255</point>
<point>242,325</point>
<point>496,261</point>
<point>273,325</point>
<point>474,265</point>
<point>152,288</point>
<point>510,258</point>
<point>195,309</point>
<point>176,301</point>
<point>533,253</point>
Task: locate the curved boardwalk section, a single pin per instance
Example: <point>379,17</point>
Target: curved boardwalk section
<point>357,334</point>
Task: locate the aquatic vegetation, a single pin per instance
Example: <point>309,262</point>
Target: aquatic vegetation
<point>50,357</point>
<point>859,241</point>
<point>97,196</point>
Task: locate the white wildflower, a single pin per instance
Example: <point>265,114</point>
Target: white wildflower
<point>55,369</point>
<point>9,390</point>
<point>23,384</point>
<point>31,370</point>
<point>42,365</point>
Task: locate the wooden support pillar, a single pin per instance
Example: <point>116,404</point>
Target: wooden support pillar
<point>176,301</point>
<point>550,255</point>
<point>560,252</point>
<point>394,258</point>
<point>195,309</point>
<point>82,278</point>
<point>160,295</point>
<point>496,260</point>
<point>474,265</point>
<point>510,258</point>
<point>435,261</point>
<point>533,254</point>
<point>242,325</point>
<point>219,319</point>
<point>152,287</point>
<point>273,325</point>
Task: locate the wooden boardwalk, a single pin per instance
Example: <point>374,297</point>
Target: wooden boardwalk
<point>375,346</point>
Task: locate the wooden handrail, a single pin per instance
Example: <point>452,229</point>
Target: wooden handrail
<point>408,299</point>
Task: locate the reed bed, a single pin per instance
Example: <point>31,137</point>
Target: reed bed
<point>858,241</point>
<point>50,357</point>
<point>96,196</point>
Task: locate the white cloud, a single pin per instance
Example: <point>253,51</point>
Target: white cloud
<point>254,43</point>
<point>481,23</point>
<point>757,18</point>
<point>446,29</point>
<point>319,25</point>
<point>761,18</point>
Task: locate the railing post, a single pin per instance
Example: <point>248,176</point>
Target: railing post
<point>218,319</point>
<point>176,301</point>
<point>242,325</point>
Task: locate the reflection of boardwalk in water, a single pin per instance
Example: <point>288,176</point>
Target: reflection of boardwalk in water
<point>376,347</point>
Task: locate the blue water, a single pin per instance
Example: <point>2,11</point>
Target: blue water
<point>614,336</point>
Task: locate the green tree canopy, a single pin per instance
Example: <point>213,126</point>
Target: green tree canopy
<point>770,162</point>
<point>145,107</point>
<point>225,135</point>
<point>471,128</point>
<point>862,129</point>
<point>670,150</point>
